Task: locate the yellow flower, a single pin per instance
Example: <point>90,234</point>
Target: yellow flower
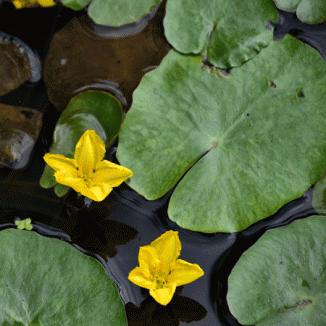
<point>87,173</point>
<point>25,224</point>
<point>159,269</point>
<point>32,3</point>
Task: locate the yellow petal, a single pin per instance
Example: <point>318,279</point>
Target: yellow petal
<point>184,273</point>
<point>69,179</point>
<point>99,192</point>
<point>148,261</point>
<point>24,3</point>
<point>110,173</point>
<point>18,4</point>
<point>46,3</point>
<point>168,246</point>
<point>89,151</point>
<point>79,185</point>
<point>137,277</point>
<point>164,295</point>
<point>59,162</point>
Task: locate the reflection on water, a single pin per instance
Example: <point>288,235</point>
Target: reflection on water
<point>180,309</point>
<point>89,226</point>
<point>83,57</point>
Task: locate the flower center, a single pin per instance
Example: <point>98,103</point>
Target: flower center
<point>160,277</point>
<point>87,177</point>
<point>160,282</point>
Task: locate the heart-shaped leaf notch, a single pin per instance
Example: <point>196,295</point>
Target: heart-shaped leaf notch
<point>242,147</point>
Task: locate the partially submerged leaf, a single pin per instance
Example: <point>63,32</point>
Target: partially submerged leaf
<point>46,281</point>
<point>251,142</point>
<point>308,11</point>
<point>93,110</point>
<point>234,30</point>
<point>117,13</point>
<point>280,280</point>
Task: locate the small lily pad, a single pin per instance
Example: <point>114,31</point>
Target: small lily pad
<point>46,281</point>
<point>242,147</point>
<point>93,110</point>
<point>75,4</point>
<point>120,12</point>
<point>308,11</point>
<point>319,195</point>
<point>234,30</point>
<point>281,279</point>
<point>24,224</point>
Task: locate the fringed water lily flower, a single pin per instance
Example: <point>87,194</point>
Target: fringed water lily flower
<point>32,3</point>
<point>24,224</point>
<point>87,173</point>
<point>159,269</point>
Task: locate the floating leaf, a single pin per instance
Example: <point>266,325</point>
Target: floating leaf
<point>75,4</point>
<point>319,197</point>
<point>117,13</point>
<point>308,11</point>
<point>24,224</point>
<point>251,143</point>
<point>234,30</point>
<point>98,111</point>
<point>46,281</point>
<point>280,280</point>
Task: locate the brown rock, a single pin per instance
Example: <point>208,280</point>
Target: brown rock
<point>19,130</point>
<point>14,66</point>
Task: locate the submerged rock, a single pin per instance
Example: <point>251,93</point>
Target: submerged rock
<point>19,130</point>
<point>18,63</point>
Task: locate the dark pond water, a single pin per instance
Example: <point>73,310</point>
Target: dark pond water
<point>113,230</point>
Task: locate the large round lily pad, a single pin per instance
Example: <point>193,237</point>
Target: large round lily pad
<point>234,30</point>
<point>47,282</point>
<point>308,11</point>
<point>252,142</point>
<point>281,279</point>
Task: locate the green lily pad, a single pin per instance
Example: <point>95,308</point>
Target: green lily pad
<point>281,279</point>
<point>319,195</point>
<point>75,4</point>
<point>120,12</point>
<point>48,282</point>
<point>98,111</point>
<point>234,30</point>
<point>251,143</point>
<point>308,11</point>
